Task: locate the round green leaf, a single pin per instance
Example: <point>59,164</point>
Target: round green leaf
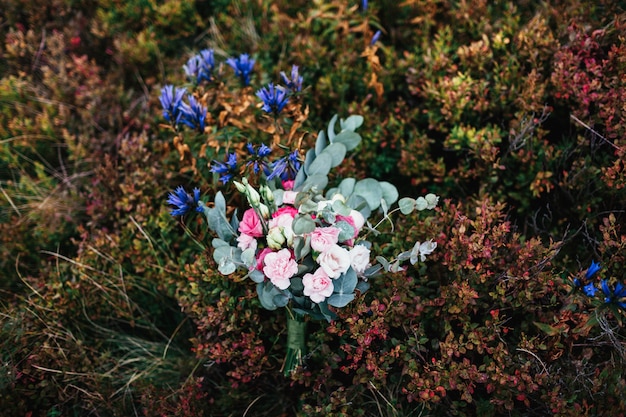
<point>371,191</point>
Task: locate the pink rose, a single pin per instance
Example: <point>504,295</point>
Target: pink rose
<point>279,267</point>
<point>292,211</point>
<point>289,197</point>
<point>322,238</point>
<point>261,257</point>
<point>317,286</point>
<point>245,241</point>
<point>288,184</point>
<point>359,258</point>
<point>250,224</point>
<point>334,261</point>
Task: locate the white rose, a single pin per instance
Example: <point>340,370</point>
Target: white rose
<point>359,220</point>
<point>359,258</point>
<point>334,261</point>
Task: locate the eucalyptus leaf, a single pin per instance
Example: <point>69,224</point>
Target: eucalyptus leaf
<point>308,160</point>
<point>340,300</point>
<point>406,205</point>
<point>226,266</point>
<point>390,192</point>
<point>336,151</point>
<point>257,276</point>
<point>371,191</point>
<point>346,187</point>
<point>315,182</point>
<point>320,143</point>
<point>346,231</point>
<point>362,286</point>
<point>352,122</point>
<point>331,128</point>
<point>321,165</point>
<point>348,138</point>
<point>281,300</point>
<point>346,283</point>
<point>265,296</point>
<point>302,224</point>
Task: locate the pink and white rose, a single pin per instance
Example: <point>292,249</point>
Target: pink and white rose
<point>280,267</point>
<point>322,238</point>
<point>334,261</point>
<point>359,258</point>
<point>251,224</point>
<point>289,197</point>
<point>359,220</point>
<point>245,241</point>
<point>261,258</point>
<point>317,286</point>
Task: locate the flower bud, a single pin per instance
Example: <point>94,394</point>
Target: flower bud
<point>264,211</point>
<point>275,238</point>
<point>240,187</point>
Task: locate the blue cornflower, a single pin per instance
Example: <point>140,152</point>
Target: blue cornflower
<point>258,158</point>
<point>375,37</point>
<point>286,167</point>
<point>184,201</point>
<point>172,101</point>
<point>295,82</point>
<point>194,114</point>
<point>364,5</point>
<point>242,66</point>
<point>591,271</point>
<point>226,169</point>
<point>618,296</point>
<point>274,98</point>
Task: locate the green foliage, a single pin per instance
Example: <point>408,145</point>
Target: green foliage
<point>511,111</point>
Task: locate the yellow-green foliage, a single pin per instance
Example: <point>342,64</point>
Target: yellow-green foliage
<point>512,111</point>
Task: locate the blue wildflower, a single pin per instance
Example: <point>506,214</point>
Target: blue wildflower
<point>184,201</point>
<point>258,161</point>
<point>194,114</point>
<point>286,167</point>
<point>591,271</point>
<point>172,101</point>
<point>364,5</point>
<point>227,169</point>
<point>618,296</point>
<point>375,37</point>
<point>193,68</point>
<point>242,66</point>
<point>590,289</point>
<point>293,83</point>
<point>274,98</point>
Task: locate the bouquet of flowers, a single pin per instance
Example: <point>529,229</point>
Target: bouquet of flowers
<point>302,243</point>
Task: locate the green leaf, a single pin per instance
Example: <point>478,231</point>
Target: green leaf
<point>331,128</point>
<point>320,143</point>
<point>340,300</point>
<point>371,191</point>
<point>349,139</point>
<point>362,286</point>
<point>281,300</point>
<point>406,205</point>
<point>325,311</point>
<point>346,283</point>
<point>302,224</point>
<point>352,122</point>
<point>266,292</point>
<point>315,182</point>
<point>336,151</point>
<point>321,165</point>
<point>346,187</point>
<point>390,192</point>
<point>257,276</point>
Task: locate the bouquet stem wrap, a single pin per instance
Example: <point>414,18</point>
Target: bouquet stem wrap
<point>296,347</point>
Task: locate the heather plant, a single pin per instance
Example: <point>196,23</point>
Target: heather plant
<point>512,112</point>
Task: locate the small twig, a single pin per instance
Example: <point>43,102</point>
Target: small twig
<point>536,357</point>
<point>586,126</point>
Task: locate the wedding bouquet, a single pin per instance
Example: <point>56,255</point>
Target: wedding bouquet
<point>302,243</point>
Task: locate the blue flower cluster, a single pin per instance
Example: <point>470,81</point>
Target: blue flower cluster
<point>276,97</point>
<point>258,158</point>
<point>176,111</point>
<point>286,167</point>
<point>183,201</point>
<point>243,67</point>
<point>616,296</point>
<point>227,169</point>
<point>200,66</point>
